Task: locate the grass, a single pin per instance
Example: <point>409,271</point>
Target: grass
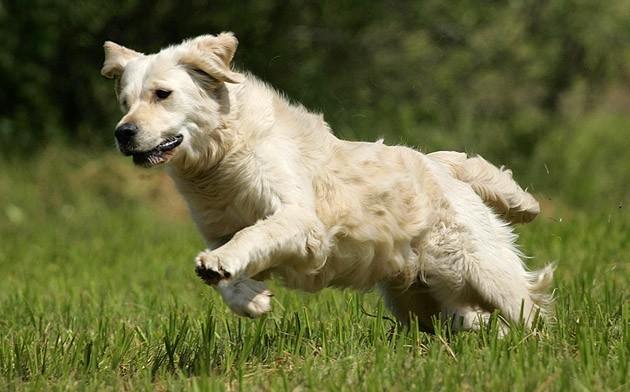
<point>98,293</point>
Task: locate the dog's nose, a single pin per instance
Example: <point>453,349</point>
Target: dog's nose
<point>126,132</point>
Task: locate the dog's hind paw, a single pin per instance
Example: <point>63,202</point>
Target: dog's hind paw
<point>246,297</point>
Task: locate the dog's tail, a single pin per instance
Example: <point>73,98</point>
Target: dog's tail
<point>494,185</point>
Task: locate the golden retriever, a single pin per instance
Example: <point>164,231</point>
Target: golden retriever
<point>274,192</point>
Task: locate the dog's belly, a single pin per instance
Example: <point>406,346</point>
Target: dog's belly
<point>358,265</point>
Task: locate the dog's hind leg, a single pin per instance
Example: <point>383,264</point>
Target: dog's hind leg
<point>474,288</point>
<point>519,295</point>
<point>409,302</point>
<point>418,302</point>
<point>473,269</point>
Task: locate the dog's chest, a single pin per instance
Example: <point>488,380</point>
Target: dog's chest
<point>226,200</point>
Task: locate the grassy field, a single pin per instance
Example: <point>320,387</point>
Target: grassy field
<point>98,292</point>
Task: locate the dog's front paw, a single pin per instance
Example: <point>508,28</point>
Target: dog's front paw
<point>210,269</point>
<point>246,297</point>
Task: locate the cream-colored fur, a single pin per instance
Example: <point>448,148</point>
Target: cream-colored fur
<point>273,192</point>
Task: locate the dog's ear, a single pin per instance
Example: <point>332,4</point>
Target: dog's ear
<point>116,58</point>
<point>213,55</point>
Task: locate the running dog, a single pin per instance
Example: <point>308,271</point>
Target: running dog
<point>274,192</point>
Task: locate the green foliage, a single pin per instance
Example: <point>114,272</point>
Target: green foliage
<point>486,77</point>
<point>98,293</point>
<point>587,162</point>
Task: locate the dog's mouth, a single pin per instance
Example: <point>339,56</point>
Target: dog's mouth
<point>160,154</point>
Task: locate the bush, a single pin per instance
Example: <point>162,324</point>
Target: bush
<point>587,161</point>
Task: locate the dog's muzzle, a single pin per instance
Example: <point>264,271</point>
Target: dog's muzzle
<point>125,135</point>
<point>125,138</point>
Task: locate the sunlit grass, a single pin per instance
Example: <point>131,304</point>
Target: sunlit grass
<point>98,292</point>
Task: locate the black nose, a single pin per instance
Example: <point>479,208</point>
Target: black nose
<point>126,132</point>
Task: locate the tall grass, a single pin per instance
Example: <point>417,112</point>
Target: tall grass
<point>98,293</point>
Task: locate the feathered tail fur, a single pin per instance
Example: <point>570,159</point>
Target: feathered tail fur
<point>494,185</point>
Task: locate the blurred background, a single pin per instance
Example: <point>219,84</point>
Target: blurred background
<point>541,87</point>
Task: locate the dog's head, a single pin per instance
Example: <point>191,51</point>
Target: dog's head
<point>168,98</point>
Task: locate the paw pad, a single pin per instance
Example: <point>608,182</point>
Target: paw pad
<point>211,277</point>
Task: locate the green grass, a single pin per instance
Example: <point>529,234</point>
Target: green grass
<point>98,292</point>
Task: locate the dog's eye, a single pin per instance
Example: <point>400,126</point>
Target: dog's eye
<point>162,94</point>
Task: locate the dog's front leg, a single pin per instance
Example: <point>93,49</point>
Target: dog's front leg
<point>287,234</point>
<point>245,297</point>
<point>292,233</point>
